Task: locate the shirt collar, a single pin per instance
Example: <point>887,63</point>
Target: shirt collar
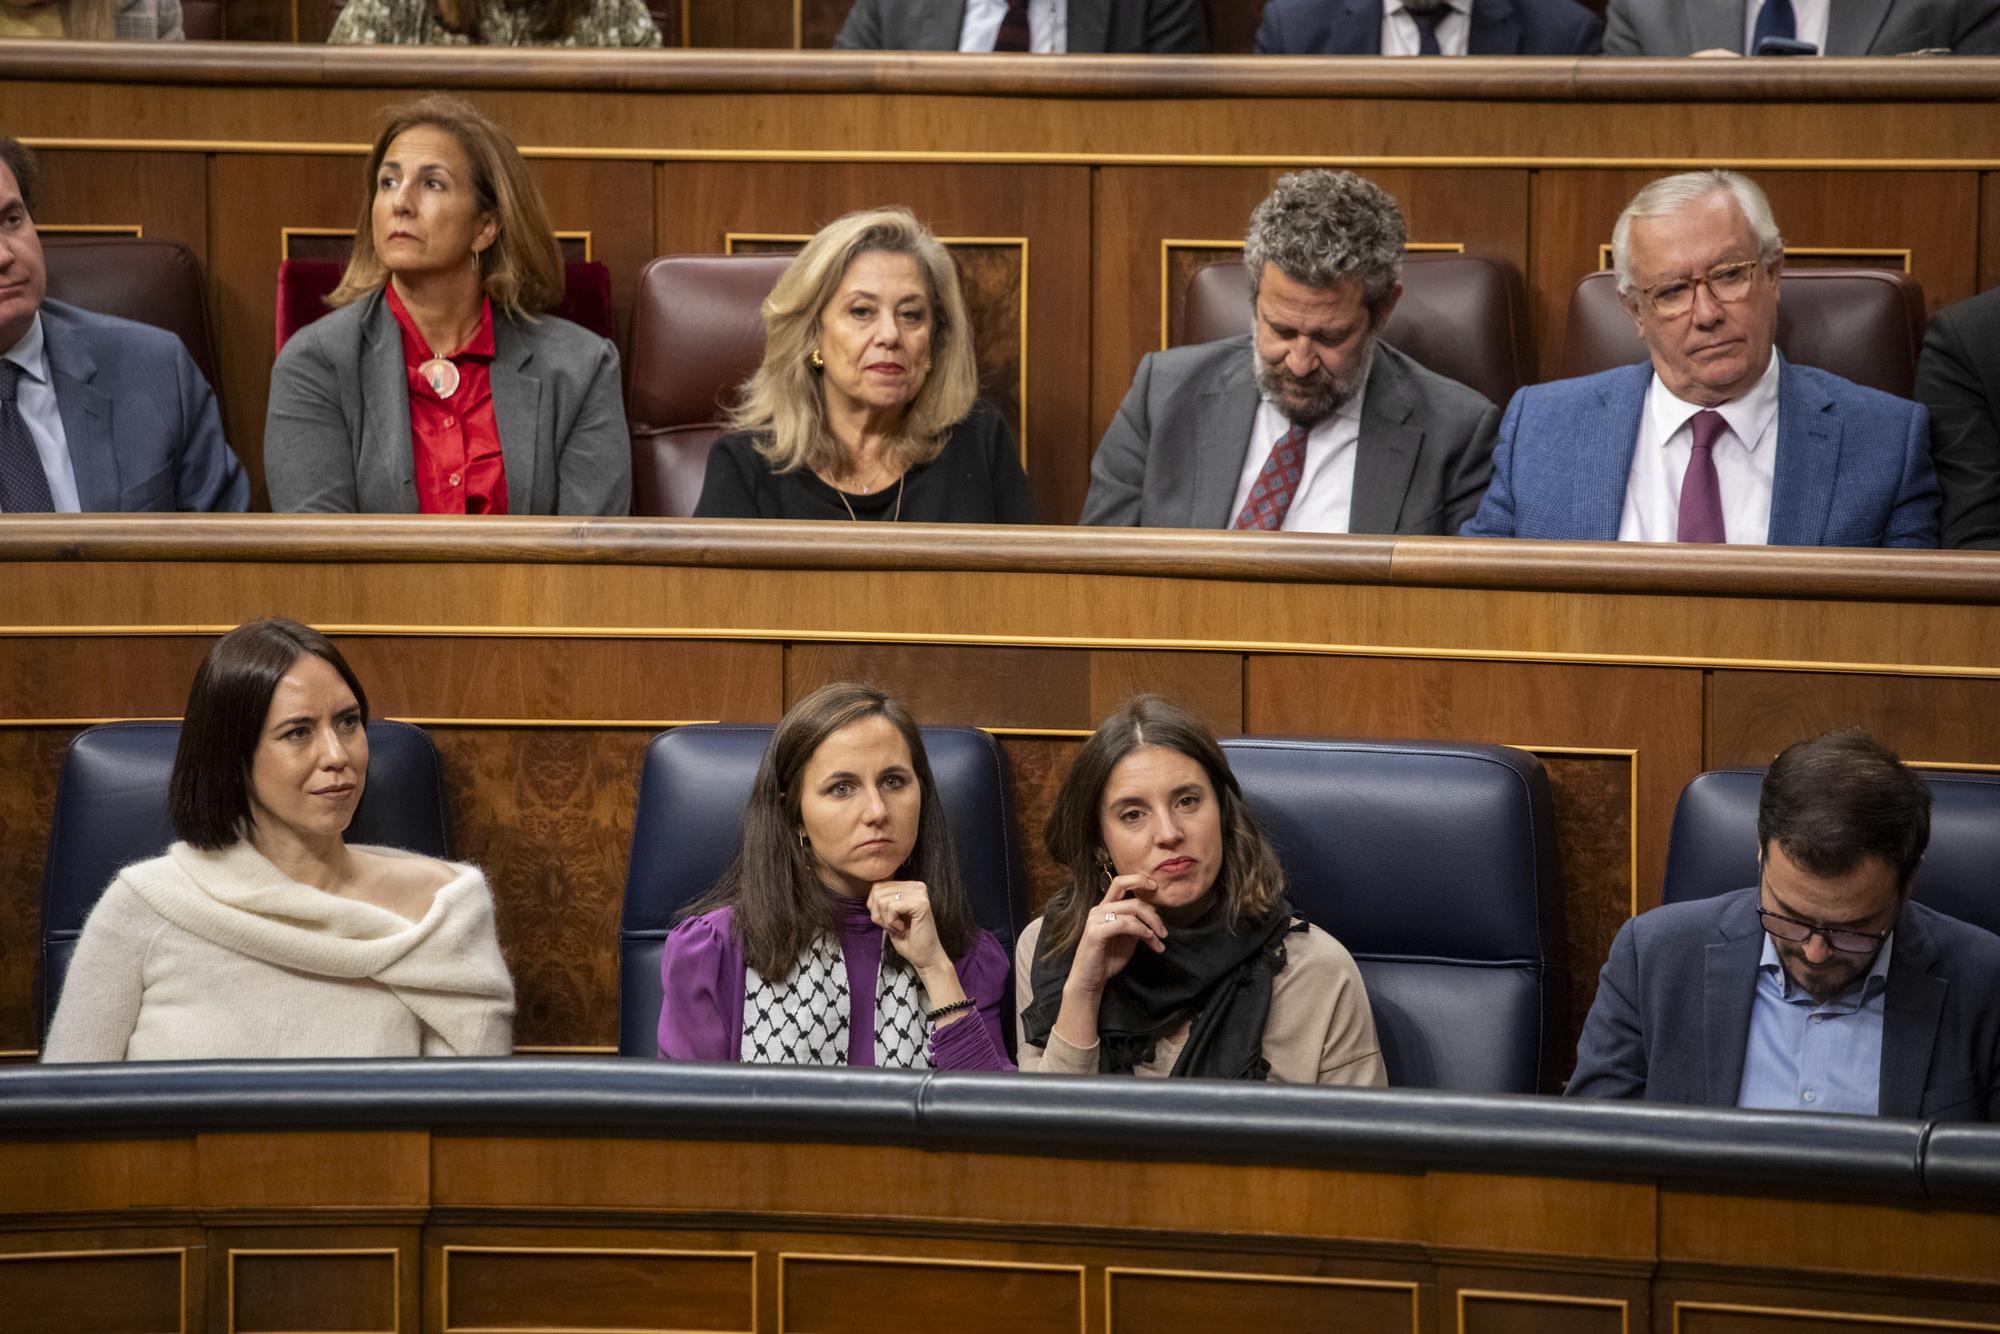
<point>1394,7</point>
<point>1748,415</point>
<point>1872,982</point>
<point>414,346</point>
<point>29,352</point>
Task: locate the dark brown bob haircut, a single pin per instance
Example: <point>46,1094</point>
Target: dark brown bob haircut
<point>781,904</point>
<point>27,169</point>
<point>1251,878</point>
<point>209,794</point>
<point>1838,799</point>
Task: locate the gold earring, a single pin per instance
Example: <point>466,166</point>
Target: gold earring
<point>815,360</point>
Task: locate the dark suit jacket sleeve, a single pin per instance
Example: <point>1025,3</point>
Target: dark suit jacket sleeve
<point>1979,34</point>
<point>1271,31</point>
<point>729,486</point>
<point>210,477</point>
<point>1469,479</point>
<point>1611,1052</point>
<point>1013,500</point>
<point>594,461</point>
<point>1965,427</point>
<point>1621,37</point>
<point>1914,522</point>
<point>1118,469</point>
<point>1585,35</point>
<point>308,441</point>
<point>1176,26</point>
<point>1495,515</point>
<point>863,29</point>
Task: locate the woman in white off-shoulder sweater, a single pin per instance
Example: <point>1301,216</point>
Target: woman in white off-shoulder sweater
<point>263,933</point>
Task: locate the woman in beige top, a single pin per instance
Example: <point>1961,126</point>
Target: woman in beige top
<point>1173,950</point>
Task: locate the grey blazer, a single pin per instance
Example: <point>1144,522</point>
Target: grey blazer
<point>337,435</point>
<point>1175,451</point>
<point>1095,27</point>
<point>1853,27</point>
<point>1672,1015</point>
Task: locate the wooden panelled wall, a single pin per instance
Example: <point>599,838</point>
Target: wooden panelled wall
<point>1088,189</point>
<point>542,655</point>
<point>459,1234</point>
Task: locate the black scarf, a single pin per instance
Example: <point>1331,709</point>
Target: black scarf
<point>1222,977</point>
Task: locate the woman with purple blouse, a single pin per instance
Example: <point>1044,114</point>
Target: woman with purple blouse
<point>844,848</point>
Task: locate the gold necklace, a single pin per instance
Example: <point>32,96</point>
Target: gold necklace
<point>857,518</point>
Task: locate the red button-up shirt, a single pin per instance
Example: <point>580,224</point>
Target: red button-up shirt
<point>456,440</point>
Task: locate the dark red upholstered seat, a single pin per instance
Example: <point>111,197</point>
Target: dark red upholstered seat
<point>303,285</point>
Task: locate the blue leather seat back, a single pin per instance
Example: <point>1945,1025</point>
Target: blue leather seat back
<point>1436,866</point>
<point>1713,848</point>
<point>692,791</point>
<point>111,811</point>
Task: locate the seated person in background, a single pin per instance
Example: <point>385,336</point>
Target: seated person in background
<point>1099,27</point>
<point>844,851</point>
<point>93,20</point>
<point>1719,439</point>
<point>865,406</point>
<point>1958,379</point>
<point>1823,989</point>
<point>1830,27</point>
<point>1171,948</point>
<point>1428,28</point>
<point>96,413</point>
<point>1308,422</point>
<point>496,23</point>
<point>263,933</point>
<point>438,386</point>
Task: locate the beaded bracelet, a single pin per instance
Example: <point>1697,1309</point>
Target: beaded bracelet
<point>945,1011</point>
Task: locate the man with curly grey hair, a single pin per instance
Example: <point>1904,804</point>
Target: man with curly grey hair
<point>1716,438</point>
<point>1309,422</point>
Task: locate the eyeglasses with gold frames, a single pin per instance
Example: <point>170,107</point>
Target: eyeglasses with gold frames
<point>1727,283</point>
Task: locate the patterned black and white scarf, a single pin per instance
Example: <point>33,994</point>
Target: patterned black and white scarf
<point>802,1019</point>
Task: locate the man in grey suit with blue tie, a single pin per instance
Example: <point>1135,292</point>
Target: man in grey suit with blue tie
<point>1846,28</point>
<point>1822,989</point>
<point>96,413</point>
<point>1719,438</point>
<point>1308,422</point>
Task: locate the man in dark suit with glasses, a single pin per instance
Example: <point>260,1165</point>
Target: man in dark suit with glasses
<point>1822,989</point>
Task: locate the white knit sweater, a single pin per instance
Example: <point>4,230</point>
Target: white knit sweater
<point>211,955</point>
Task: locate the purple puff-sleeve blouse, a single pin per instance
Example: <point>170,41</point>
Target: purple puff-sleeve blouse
<point>702,980</point>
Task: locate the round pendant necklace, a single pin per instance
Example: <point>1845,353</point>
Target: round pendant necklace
<point>441,375</point>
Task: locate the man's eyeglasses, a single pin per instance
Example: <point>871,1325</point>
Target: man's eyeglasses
<point>1797,932</point>
<point>1727,283</point>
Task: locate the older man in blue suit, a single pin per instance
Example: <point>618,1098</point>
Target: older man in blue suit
<point>1719,439</point>
<point>96,413</point>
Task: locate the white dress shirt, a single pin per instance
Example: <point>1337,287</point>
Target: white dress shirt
<point>35,395</point>
<point>1809,22</point>
<point>1048,25</point>
<point>1746,459</point>
<point>1326,486</point>
<point>1400,36</point>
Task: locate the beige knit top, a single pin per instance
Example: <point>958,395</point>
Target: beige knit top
<point>211,955</point>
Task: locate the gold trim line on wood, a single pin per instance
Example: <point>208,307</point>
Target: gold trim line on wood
<point>809,636</point>
<point>444,1286</point>
<point>920,1261</point>
<point>179,1251</point>
<point>395,1276</point>
<point>1842,1317</point>
<point>532,1050</point>
<point>285,235</point>
<point>1545,1299</point>
<point>135,230</point>
<point>1906,256</point>
<point>20,1054</point>
<point>1292,1280</point>
<point>651,154</point>
<point>582,235</point>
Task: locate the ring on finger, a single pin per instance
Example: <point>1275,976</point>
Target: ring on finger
<point>1111,917</point>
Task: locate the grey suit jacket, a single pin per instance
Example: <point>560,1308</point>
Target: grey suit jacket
<point>1672,1016</point>
<point>140,420</point>
<point>337,435</point>
<point>1853,27</point>
<point>1096,27</point>
<point>1175,451</point>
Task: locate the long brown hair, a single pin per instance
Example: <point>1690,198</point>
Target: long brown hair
<point>1250,879</point>
<point>781,905</point>
<point>522,271</point>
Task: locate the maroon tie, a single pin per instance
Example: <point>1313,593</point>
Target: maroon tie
<point>1277,483</point>
<point>1701,490</point>
<point>1013,34</point>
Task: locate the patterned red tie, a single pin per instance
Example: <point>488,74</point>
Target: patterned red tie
<point>1701,489</point>
<point>1277,483</point>
<point>1013,28</point>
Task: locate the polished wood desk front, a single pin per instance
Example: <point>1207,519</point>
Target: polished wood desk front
<point>542,654</point>
<point>1080,193</point>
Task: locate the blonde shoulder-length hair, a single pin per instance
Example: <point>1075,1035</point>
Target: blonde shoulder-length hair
<point>522,271</point>
<point>784,401</point>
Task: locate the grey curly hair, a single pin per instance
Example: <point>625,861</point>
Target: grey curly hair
<point>1320,227</point>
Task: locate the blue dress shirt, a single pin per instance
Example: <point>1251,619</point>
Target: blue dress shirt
<point>35,396</point>
<point>1810,1056</point>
